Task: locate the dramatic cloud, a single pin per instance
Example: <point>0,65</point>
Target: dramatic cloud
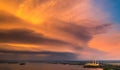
<point>108,42</point>
<point>64,28</point>
<point>45,55</point>
<point>82,33</point>
<point>26,36</point>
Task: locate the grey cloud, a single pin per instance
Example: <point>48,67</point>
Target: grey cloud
<point>43,55</point>
<point>79,32</point>
<point>102,28</point>
<point>27,37</point>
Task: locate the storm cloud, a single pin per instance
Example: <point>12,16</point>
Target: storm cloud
<point>43,55</point>
<point>50,29</point>
<point>77,33</point>
<point>80,31</point>
<point>27,36</point>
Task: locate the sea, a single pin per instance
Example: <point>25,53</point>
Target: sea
<point>43,66</point>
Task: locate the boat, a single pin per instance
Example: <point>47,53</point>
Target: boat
<point>93,64</point>
<point>22,63</point>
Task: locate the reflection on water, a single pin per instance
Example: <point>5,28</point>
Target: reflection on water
<point>43,66</point>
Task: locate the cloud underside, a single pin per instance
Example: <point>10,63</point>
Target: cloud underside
<point>26,37</point>
<point>31,55</point>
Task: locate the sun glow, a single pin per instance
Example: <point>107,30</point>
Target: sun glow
<point>29,15</point>
<point>30,18</point>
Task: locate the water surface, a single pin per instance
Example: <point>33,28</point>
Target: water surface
<point>43,66</point>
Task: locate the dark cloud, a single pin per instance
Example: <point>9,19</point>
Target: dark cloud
<point>30,52</point>
<point>102,28</point>
<point>27,37</point>
<point>43,55</point>
<point>80,32</point>
<point>77,31</point>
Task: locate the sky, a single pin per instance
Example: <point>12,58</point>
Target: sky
<point>59,29</point>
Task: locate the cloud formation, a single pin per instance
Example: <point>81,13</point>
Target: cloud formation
<point>6,17</point>
<point>43,55</point>
<point>26,36</point>
<point>64,28</point>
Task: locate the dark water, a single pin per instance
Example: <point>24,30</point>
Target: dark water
<point>43,66</point>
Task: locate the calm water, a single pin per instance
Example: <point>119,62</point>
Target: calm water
<point>43,66</point>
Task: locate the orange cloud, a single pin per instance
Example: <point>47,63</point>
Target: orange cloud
<point>108,42</point>
<point>51,25</point>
